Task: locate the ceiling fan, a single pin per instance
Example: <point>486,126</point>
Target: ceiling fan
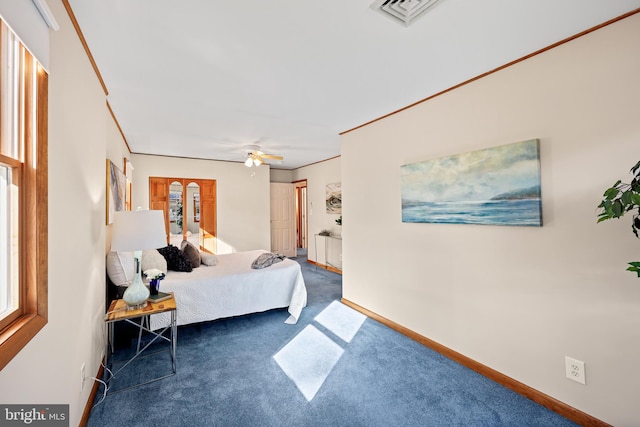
<point>255,157</point>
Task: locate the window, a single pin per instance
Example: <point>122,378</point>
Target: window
<point>9,267</point>
<point>23,195</point>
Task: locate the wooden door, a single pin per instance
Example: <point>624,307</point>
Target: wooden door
<point>208,215</point>
<point>283,220</point>
<point>159,198</point>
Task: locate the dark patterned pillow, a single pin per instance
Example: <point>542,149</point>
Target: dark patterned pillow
<point>176,260</point>
<point>191,252</point>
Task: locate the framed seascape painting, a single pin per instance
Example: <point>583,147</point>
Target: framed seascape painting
<point>498,186</point>
<point>116,191</point>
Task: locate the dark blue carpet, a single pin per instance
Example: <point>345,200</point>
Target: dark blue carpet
<point>227,377</point>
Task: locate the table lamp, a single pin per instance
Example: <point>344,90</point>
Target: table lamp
<point>137,231</point>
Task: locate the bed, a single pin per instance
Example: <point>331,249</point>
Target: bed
<point>233,288</point>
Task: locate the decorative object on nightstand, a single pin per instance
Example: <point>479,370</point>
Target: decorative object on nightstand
<point>155,276</point>
<point>137,231</point>
<point>159,297</point>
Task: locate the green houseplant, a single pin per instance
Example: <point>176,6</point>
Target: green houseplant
<point>620,199</point>
<point>179,214</point>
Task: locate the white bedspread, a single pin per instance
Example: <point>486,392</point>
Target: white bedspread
<point>233,288</point>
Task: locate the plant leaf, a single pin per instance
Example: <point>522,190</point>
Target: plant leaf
<point>611,193</point>
<point>617,208</point>
<point>635,267</point>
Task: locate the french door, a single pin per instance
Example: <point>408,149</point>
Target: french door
<point>189,207</point>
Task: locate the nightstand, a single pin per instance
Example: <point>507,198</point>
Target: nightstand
<point>140,318</point>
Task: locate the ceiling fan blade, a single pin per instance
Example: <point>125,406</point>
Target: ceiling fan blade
<point>271,156</point>
<point>256,157</point>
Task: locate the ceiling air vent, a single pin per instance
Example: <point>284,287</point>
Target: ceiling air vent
<point>404,11</point>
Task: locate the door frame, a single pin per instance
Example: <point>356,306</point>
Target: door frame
<point>302,217</point>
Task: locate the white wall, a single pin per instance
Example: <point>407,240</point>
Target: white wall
<point>318,175</point>
<point>81,132</point>
<point>243,213</point>
<point>281,175</point>
<point>517,299</point>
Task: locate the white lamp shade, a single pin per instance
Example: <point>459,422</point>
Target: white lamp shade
<point>138,230</point>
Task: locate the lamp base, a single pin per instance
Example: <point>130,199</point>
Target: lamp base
<point>137,306</point>
<point>136,294</point>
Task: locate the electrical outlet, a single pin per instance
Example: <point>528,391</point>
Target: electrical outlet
<point>575,370</point>
<point>82,377</point>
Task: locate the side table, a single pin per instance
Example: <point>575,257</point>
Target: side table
<point>327,240</point>
<point>118,312</point>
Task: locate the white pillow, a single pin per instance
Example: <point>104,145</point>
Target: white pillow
<point>153,259</point>
<point>121,267</point>
<point>208,259</point>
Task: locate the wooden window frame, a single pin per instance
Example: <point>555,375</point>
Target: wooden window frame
<point>16,176</point>
<point>32,214</point>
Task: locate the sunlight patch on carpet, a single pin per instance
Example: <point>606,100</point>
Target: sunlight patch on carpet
<point>308,359</point>
<point>343,321</point>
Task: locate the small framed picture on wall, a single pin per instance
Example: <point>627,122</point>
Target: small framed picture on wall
<point>334,198</point>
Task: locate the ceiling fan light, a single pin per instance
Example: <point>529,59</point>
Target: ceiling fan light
<point>255,157</point>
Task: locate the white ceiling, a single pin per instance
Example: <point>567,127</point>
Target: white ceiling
<point>203,78</point>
